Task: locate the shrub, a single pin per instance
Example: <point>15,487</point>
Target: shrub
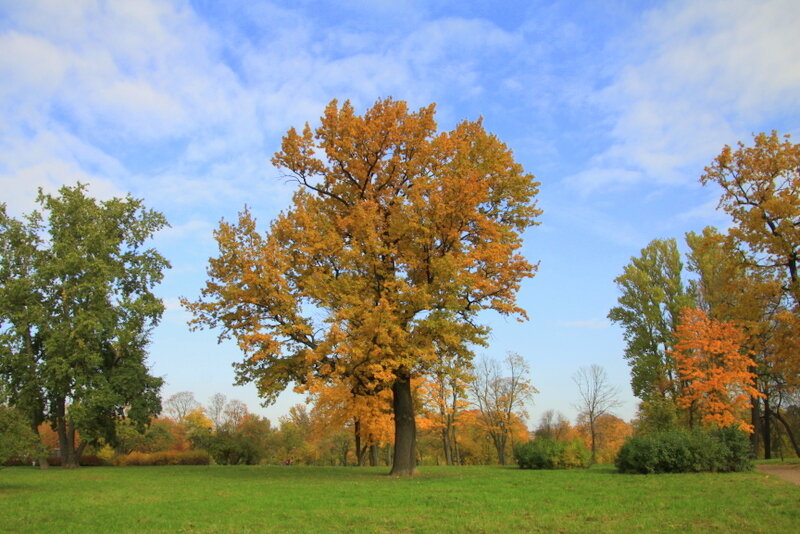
<point>230,448</point>
<point>575,455</point>
<point>547,453</point>
<point>738,455</point>
<point>683,451</point>
<point>16,437</point>
<point>164,458</point>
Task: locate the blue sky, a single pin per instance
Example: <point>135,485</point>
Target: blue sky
<point>615,106</point>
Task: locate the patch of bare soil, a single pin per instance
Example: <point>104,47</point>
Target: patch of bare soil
<point>790,472</point>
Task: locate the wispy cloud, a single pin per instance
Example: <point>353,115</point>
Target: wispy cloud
<point>150,95</point>
<point>696,72</point>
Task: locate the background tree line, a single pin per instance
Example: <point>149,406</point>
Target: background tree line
<point>714,342</point>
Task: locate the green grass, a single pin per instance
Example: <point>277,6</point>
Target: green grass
<point>467,499</point>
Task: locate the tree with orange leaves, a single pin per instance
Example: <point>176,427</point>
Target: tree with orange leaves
<point>368,416</point>
<point>715,371</point>
<point>396,238</point>
<point>444,395</point>
<point>610,433</point>
<point>761,192</point>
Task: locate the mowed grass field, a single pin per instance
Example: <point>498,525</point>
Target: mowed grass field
<point>350,499</point>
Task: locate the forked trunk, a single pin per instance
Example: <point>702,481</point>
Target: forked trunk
<point>405,428</point>
<point>499,440</point>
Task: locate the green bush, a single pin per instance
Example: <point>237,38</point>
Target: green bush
<point>16,437</point>
<point>684,451</point>
<point>575,455</point>
<point>547,453</point>
<point>230,448</point>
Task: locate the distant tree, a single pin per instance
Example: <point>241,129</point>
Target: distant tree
<point>397,237</point>
<point>235,412</point>
<point>443,396</point>
<point>553,425</point>
<point>611,433</point>
<point>338,407</point>
<point>500,393</point>
<point>76,312</point>
<point>196,421</point>
<point>156,436</point>
<point>216,409</point>
<point>181,404</point>
<point>294,436</point>
<point>597,398</point>
<point>718,376</point>
<point>653,295</point>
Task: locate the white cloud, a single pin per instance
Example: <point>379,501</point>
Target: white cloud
<point>145,94</point>
<point>697,72</point>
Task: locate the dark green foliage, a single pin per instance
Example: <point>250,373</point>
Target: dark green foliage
<point>683,451</point>
<point>76,311</point>
<point>652,297</point>
<point>230,448</point>
<point>738,454</point>
<point>546,453</point>
<point>154,437</point>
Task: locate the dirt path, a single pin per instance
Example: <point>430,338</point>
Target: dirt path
<point>790,472</point>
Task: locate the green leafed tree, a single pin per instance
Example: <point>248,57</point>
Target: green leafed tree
<point>652,297</point>
<point>77,309</point>
<point>16,436</point>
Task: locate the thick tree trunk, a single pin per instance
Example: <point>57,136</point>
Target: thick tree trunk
<point>500,446</point>
<point>359,449</point>
<point>66,438</point>
<point>405,429</point>
<point>373,454</point>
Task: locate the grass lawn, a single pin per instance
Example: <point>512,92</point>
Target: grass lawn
<point>440,499</point>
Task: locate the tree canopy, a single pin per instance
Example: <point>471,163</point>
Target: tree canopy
<point>396,238</point>
<point>77,308</point>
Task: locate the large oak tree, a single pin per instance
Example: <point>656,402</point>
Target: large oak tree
<point>397,237</point>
